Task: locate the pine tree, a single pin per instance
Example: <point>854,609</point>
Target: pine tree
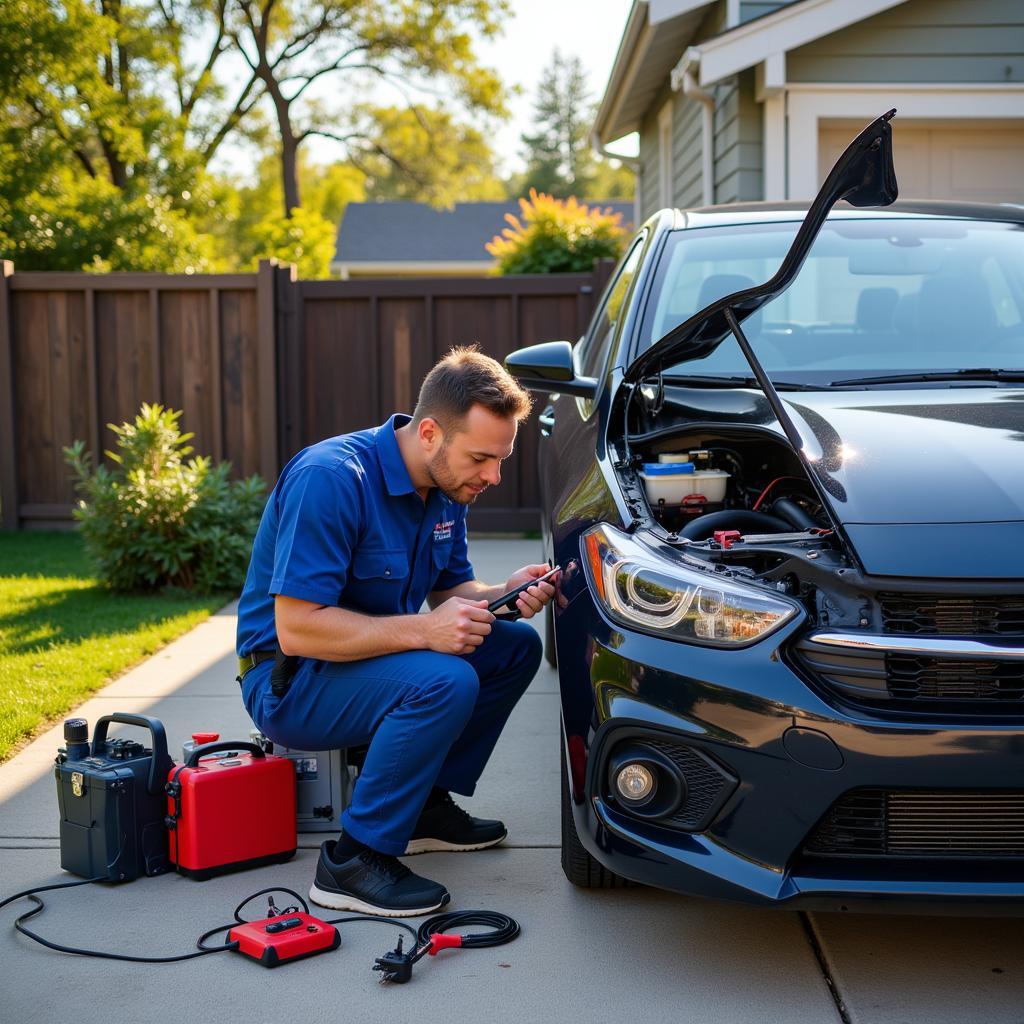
<point>559,157</point>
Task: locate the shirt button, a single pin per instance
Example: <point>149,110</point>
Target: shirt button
<point>387,572</point>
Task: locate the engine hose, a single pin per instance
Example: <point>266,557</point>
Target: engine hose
<point>794,514</point>
<point>733,519</point>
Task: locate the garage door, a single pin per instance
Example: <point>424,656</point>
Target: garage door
<point>944,161</point>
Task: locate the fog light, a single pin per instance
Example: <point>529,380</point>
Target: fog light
<point>635,782</point>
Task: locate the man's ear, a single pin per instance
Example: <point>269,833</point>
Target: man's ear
<point>430,434</point>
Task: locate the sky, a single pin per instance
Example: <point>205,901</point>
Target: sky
<point>589,29</point>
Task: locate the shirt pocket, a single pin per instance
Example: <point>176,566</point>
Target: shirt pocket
<point>380,564</point>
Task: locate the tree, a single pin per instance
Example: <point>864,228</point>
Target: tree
<point>289,46</point>
<point>556,236</point>
<point>423,154</point>
<point>559,157</point>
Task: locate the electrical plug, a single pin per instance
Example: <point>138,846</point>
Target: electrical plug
<point>395,965</point>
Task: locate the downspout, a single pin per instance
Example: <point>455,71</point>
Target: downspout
<point>633,163</point>
<point>685,74</point>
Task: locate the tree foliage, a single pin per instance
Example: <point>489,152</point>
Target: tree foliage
<point>424,154</point>
<point>113,110</point>
<point>158,518</point>
<point>560,160</point>
<point>290,46</point>
<point>556,236</point>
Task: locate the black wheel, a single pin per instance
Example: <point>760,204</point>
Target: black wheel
<point>550,652</point>
<point>580,868</point>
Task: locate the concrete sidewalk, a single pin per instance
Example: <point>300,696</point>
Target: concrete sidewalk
<point>633,955</point>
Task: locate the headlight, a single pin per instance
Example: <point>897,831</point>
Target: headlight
<point>642,589</point>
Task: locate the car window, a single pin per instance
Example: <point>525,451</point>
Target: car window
<point>594,349</point>
<point>874,294</point>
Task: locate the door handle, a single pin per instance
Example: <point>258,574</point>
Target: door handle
<point>547,421</point>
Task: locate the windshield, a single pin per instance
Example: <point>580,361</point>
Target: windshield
<point>874,296</point>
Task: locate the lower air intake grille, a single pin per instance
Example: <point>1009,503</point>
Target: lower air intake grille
<point>952,824</point>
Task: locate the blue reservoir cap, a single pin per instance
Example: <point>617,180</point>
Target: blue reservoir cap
<point>667,468</point>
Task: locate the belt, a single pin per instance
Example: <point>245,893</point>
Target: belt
<point>251,660</point>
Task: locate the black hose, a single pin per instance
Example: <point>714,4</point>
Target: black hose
<point>733,519</point>
<point>794,514</point>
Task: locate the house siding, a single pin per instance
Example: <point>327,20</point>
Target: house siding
<point>648,157</point>
<point>738,149</point>
<point>686,152</point>
<point>921,41</point>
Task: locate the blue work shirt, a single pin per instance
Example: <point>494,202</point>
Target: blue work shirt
<point>345,527</point>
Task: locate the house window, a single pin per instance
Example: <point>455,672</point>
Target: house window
<point>665,191</point>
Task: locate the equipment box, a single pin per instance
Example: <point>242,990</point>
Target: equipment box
<point>323,783</point>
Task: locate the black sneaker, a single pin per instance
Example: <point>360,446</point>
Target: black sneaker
<point>373,883</point>
<point>446,826</point>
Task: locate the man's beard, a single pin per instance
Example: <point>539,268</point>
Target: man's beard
<point>445,480</point>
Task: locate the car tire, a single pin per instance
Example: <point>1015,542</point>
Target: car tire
<point>580,868</point>
<point>550,651</point>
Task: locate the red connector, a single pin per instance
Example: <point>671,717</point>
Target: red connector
<point>441,941</point>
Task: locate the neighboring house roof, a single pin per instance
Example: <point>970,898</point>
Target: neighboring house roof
<point>406,232</point>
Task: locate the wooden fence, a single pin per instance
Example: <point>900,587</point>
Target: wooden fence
<point>261,365</point>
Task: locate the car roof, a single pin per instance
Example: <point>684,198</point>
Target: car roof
<point>795,210</point>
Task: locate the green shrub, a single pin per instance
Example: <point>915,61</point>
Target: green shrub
<point>156,520</point>
<point>556,236</point>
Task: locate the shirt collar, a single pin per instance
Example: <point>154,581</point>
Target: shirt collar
<point>396,476</point>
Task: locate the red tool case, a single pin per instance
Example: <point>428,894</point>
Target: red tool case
<point>230,812</point>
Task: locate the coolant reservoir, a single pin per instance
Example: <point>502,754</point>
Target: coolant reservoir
<point>671,482</point>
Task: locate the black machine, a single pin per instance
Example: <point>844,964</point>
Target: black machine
<point>112,800</point>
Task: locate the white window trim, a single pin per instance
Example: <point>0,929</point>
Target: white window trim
<point>809,103</point>
<point>665,168</point>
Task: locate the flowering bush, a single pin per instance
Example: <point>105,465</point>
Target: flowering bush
<point>156,520</point>
<point>555,236</point>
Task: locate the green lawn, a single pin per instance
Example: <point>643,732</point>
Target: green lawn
<point>63,636</point>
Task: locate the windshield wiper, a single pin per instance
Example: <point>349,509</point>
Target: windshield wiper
<point>736,382</point>
<point>977,373</point>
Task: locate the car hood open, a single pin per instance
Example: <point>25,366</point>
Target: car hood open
<point>863,176</point>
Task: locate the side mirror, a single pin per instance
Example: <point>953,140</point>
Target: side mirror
<point>549,367</point>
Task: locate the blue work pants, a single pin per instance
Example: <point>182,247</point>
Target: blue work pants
<point>430,719</point>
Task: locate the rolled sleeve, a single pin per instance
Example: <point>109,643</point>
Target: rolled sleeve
<point>459,568</point>
<point>319,523</point>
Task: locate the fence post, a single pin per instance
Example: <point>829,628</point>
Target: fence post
<point>8,440</point>
<point>266,348</point>
<point>287,329</point>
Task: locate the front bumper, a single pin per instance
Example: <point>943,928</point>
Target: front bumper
<point>736,707</point>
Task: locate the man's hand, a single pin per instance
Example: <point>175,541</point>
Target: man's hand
<point>457,626</point>
<point>533,599</point>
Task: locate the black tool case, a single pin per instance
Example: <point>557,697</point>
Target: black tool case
<point>112,804</point>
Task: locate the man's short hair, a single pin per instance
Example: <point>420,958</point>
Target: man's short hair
<point>464,378</point>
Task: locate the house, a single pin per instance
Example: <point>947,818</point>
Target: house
<point>402,239</point>
<point>736,100</point>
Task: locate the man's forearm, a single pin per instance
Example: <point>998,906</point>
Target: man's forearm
<point>337,634</point>
<point>471,590</point>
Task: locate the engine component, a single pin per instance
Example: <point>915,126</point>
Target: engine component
<point>733,519</point>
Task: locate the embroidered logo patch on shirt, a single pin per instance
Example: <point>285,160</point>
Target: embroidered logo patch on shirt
<point>443,530</point>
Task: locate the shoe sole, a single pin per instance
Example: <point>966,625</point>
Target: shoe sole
<point>441,846</point>
<point>342,901</point>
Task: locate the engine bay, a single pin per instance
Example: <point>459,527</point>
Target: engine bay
<point>740,501</point>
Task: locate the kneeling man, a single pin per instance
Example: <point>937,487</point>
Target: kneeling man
<point>334,651</point>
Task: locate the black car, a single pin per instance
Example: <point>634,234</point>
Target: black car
<point>790,636</point>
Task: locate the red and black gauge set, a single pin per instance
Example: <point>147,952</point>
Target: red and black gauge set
<point>227,807</point>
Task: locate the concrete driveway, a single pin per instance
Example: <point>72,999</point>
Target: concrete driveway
<point>594,956</point>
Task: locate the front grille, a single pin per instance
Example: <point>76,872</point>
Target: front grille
<point>915,678</point>
<point>916,682</point>
<point>906,824</point>
<point>930,615</point>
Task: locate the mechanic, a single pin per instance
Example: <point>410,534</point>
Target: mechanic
<point>359,530</point>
